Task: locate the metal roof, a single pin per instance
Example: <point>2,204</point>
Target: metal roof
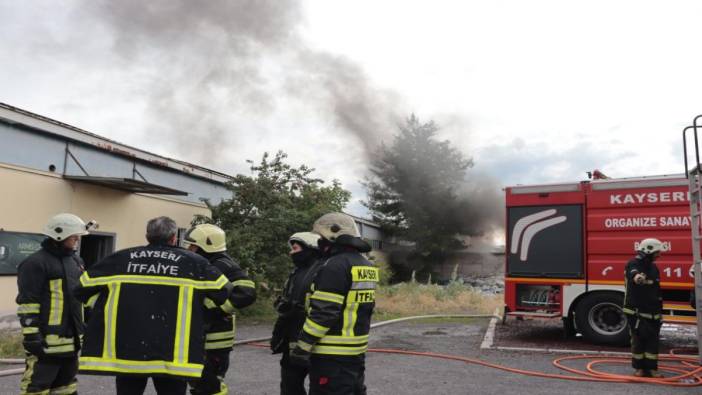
<point>14,115</point>
<point>127,184</point>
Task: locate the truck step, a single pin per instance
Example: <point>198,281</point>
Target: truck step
<point>680,319</point>
<point>533,314</point>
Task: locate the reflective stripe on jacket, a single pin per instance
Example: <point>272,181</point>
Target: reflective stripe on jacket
<point>341,305</point>
<point>148,317</point>
<point>642,298</point>
<point>220,322</point>
<point>46,307</point>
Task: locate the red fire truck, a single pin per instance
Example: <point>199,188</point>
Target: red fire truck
<point>567,245</point>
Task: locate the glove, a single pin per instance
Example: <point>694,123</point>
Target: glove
<point>300,357</point>
<point>34,346</point>
<point>279,339</point>
<point>640,278</point>
<point>277,345</point>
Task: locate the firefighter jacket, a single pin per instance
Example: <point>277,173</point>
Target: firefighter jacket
<point>47,309</point>
<point>148,308</point>
<point>341,305</point>
<point>291,305</point>
<point>644,299</point>
<point>220,320</point>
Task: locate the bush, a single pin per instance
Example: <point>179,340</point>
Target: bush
<point>261,311</point>
<point>266,208</point>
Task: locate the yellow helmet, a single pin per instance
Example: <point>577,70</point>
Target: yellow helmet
<point>332,225</point>
<point>210,238</point>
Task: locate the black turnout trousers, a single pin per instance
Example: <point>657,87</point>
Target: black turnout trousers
<point>337,375</point>
<point>135,385</point>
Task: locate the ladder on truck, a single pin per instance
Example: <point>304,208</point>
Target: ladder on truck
<point>694,177</point>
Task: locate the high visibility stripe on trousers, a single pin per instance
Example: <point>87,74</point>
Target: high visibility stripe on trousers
<point>27,376</point>
<point>65,390</point>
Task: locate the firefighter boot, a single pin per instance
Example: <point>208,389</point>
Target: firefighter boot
<point>639,373</point>
<point>654,373</point>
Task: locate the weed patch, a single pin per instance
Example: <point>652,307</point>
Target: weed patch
<point>407,299</point>
<point>11,344</point>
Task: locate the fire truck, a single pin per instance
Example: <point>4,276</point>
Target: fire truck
<point>567,245</point>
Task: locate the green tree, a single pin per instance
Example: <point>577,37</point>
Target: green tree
<point>276,201</point>
<point>413,192</point>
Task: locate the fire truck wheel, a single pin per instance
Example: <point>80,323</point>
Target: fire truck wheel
<point>600,319</point>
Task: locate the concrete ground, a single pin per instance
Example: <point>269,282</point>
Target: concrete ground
<point>255,371</point>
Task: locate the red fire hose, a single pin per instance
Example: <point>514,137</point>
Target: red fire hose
<point>686,370</point>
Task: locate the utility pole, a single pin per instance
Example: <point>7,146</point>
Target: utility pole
<point>694,177</point>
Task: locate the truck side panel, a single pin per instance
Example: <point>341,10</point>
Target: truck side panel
<point>619,217</point>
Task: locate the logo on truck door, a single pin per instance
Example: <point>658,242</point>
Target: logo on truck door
<point>527,227</point>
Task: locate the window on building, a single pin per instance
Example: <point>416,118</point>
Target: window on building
<point>181,236</point>
<point>15,247</point>
<point>377,245</point>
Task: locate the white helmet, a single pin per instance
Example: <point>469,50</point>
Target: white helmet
<point>332,225</point>
<point>306,239</point>
<point>62,226</point>
<point>650,246</point>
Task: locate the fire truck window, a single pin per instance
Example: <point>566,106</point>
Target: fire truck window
<point>14,247</point>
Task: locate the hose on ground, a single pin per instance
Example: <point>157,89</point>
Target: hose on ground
<point>686,369</point>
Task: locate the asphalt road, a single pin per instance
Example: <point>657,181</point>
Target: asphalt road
<point>255,371</point>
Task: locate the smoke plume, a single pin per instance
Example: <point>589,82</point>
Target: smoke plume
<point>217,60</point>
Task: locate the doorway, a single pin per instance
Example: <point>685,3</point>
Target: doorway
<point>96,246</point>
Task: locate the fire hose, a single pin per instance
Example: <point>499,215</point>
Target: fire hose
<point>686,369</point>
<point>688,372</point>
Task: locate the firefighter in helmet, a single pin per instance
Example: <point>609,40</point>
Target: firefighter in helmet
<point>148,305</point>
<point>50,315</point>
<point>210,242</point>
<point>334,337</point>
<point>643,306</point>
<point>304,252</point>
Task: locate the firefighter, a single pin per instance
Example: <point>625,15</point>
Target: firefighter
<point>304,252</point>
<point>643,305</point>
<point>50,315</point>
<point>210,242</point>
<point>334,337</point>
<point>148,307</point>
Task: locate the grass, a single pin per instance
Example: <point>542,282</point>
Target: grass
<point>392,301</point>
<point>261,312</point>
<point>399,300</point>
<point>408,299</point>
<point>11,344</point>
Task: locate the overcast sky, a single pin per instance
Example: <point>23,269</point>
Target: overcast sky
<point>533,91</point>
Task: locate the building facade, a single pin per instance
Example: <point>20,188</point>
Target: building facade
<point>47,167</point>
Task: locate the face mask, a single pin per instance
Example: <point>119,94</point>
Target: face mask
<point>303,257</point>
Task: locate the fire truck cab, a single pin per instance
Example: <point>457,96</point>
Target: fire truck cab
<point>567,245</point>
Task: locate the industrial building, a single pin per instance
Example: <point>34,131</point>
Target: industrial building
<point>48,167</point>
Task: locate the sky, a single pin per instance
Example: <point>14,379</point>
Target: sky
<point>532,91</point>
